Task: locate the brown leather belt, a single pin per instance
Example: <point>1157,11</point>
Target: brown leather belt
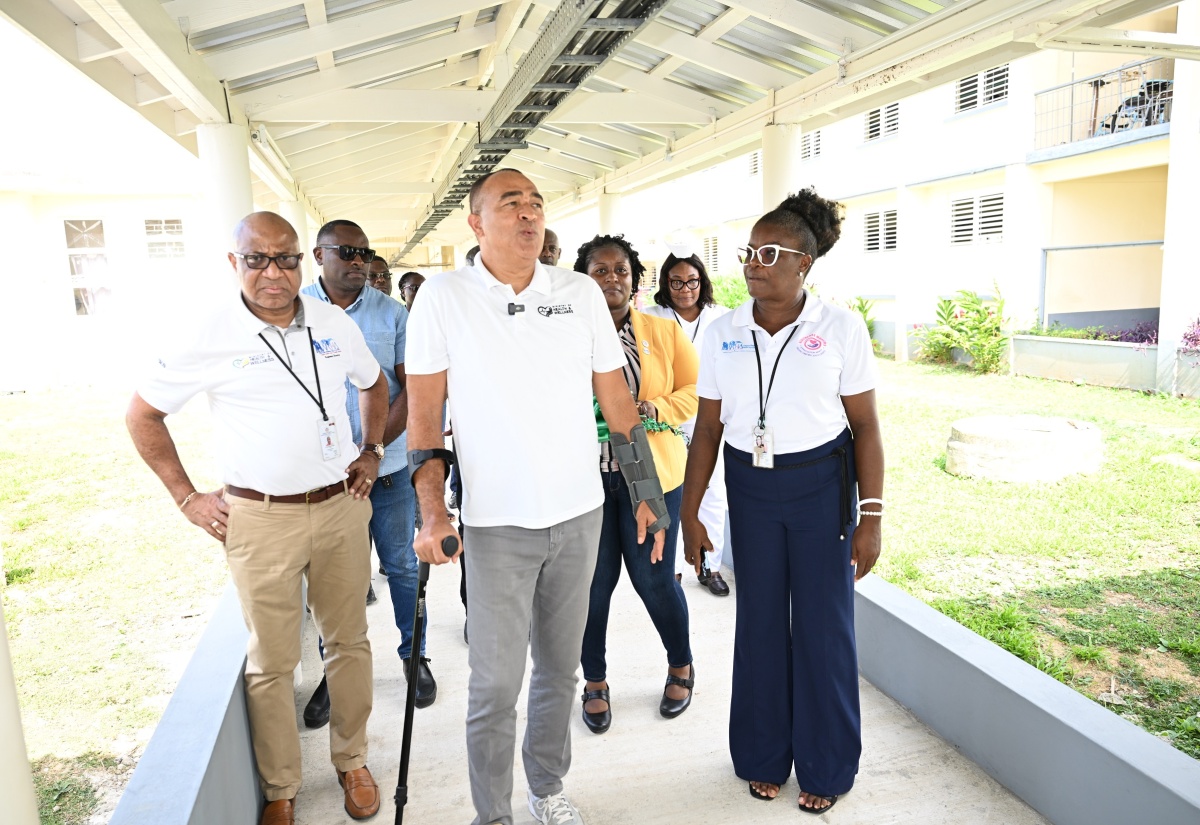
<point>311,497</point>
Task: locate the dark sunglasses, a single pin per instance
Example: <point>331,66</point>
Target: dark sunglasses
<point>349,253</point>
<point>256,260</point>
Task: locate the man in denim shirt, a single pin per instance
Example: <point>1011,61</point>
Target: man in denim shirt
<point>345,260</point>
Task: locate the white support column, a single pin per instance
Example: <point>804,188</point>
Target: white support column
<point>780,163</point>
<point>16,779</point>
<point>1028,218</point>
<point>911,275</point>
<point>295,214</point>
<point>225,173</point>
<point>610,213</point>
<point>1179,301</point>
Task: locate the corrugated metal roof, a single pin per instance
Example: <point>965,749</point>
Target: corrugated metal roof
<point>256,81</point>
<point>778,47</point>
<point>693,15</point>
<point>249,30</point>
<point>717,85</point>
<point>642,56</point>
<point>393,41</point>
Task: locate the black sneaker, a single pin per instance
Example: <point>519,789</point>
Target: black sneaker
<point>426,685</point>
<point>316,712</point>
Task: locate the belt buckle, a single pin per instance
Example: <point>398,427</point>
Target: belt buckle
<point>309,493</point>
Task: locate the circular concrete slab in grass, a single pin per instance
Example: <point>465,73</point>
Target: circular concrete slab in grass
<point>1023,448</point>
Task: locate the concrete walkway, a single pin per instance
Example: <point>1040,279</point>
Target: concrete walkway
<point>645,769</point>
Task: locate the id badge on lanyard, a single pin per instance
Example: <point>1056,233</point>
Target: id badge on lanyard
<point>764,448</point>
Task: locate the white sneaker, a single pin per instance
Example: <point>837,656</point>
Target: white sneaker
<point>554,810</point>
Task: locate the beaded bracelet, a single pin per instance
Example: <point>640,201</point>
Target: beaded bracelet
<point>188,498</point>
<point>878,513</point>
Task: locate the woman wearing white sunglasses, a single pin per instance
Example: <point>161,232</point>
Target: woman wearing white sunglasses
<point>789,382</point>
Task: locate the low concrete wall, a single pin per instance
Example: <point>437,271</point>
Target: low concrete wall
<point>1099,363</point>
<point>199,766</point>
<point>1068,757</point>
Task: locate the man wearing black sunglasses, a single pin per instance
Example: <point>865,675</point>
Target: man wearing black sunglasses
<point>345,257</point>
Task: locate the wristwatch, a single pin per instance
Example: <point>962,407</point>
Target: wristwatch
<point>376,449</point>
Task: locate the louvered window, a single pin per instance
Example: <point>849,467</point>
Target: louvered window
<point>881,231</point>
<point>810,145</point>
<point>711,254</point>
<point>755,163</point>
<point>979,218</point>
<point>164,238</point>
<point>981,89</point>
<point>883,121</point>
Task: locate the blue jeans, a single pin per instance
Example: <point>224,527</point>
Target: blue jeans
<point>392,529</point>
<point>654,583</point>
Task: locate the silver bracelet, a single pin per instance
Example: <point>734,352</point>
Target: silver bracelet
<point>188,498</point>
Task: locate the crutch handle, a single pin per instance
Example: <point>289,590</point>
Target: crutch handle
<point>449,546</point>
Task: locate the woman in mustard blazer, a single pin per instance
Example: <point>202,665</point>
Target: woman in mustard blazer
<point>661,368</point>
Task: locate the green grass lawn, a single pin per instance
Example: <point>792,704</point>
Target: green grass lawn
<point>1095,579</point>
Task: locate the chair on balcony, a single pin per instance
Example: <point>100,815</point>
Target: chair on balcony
<point>1151,105</point>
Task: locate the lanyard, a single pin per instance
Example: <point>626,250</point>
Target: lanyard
<point>681,326</point>
<point>318,399</point>
<point>762,402</point>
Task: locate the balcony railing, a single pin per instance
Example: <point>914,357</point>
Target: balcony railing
<point>1131,97</point>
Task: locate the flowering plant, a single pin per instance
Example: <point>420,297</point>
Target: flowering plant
<point>1190,342</point>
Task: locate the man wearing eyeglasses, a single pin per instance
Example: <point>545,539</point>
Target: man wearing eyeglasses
<point>344,255</point>
<point>276,366</point>
<point>380,275</point>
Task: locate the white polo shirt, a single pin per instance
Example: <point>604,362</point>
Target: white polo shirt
<point>829,355</point>
<point>695,331</point>
<point>521,388</point>
<point>266,429</point>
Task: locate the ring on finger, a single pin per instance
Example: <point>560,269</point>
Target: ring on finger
<point>216,524</point>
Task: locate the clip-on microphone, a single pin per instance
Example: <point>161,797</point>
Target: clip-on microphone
<point>513,309</point>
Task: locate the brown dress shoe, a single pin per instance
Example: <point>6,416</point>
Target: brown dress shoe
<point>279,812</point>
<point>362,794</point>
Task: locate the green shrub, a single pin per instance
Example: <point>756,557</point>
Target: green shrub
<point>972,324</point>
<point>730,291</point>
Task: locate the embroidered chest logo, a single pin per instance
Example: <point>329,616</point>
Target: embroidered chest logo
<point>811,345</point>
<point>736,346</point>
<point>253,360</point>
<point>327,347</point>
<point>557,309</point>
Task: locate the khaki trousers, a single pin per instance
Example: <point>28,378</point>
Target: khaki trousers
<point>270,547</point>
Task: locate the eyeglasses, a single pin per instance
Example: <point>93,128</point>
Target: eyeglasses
<point>690,283</point>
<point>349,253</point>
<point>377,276</point>
<point>256,260</point>
<point>410,288</point>
<point>767,254</point>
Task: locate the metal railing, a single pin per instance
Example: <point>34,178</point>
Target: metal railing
<point>1130,97</point>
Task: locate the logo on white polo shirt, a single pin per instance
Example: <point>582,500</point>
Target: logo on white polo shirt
<point>811,345</point>
<point>252,360</point>
<point>327,347</point>
<point>557,309</point>
<point>736,346</point>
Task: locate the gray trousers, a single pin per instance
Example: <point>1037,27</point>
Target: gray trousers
<point>525,584</point>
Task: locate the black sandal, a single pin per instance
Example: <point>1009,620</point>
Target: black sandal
<point>597,722</point>
<point>757,794</point>
<point>670,708</point>
<point>832,800</point>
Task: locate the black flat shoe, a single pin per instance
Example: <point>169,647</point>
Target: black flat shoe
<point>316,712</point>
<point>426,685</point>
<point>371,597</point>
<point>597,722</point>
<point>670,708</point>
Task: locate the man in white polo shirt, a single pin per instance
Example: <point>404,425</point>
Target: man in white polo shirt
<point>274,366</point>
<point>520,348</point>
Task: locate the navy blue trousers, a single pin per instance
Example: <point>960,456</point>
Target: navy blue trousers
<point>795,668</point>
